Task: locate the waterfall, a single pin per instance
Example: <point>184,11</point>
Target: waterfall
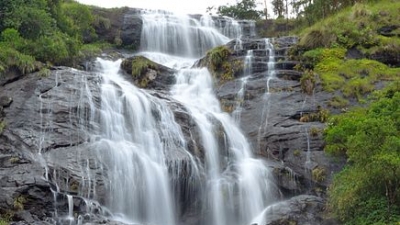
<point>238,186</point>
<point>183,35</point>
<point>141,154</point>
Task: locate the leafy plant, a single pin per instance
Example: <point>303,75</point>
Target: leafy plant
<point>369,137</point>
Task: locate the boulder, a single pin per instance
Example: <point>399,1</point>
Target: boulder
<point>148,74</point>
<point>302,209</point>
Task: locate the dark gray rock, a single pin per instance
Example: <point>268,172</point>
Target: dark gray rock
<point>273,117</point>
<point>5,101</point>
<point>131,29</point>
<point>387,30</point>
<point>302,209</point>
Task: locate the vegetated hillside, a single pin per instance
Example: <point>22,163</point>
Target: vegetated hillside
<point>34,35</point>
<point>356,55</point>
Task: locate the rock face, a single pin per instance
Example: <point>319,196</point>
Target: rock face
<point>273,112</point>
<point>302,209</point>
<point>45,146</point>
<point>131,29</point>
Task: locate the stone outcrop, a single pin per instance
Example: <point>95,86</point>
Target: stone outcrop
<point>45,146</point>
<point>148,74</point>
<point>302,209</point>
<point>274,117</point>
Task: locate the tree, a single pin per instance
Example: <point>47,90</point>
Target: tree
<point>278,7</point>
<point>245,9</point>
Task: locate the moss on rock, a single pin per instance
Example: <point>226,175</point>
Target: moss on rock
<point>139,67</point>
<point>221,64</point>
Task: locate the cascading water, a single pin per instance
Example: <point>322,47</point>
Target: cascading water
<point>183,35</point>
<point>248,65</point>
<point>270,51</point>
<point>139,146</point>
<point>238,186</point>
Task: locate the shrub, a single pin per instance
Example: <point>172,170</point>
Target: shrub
<point>307,82</point>
<point>369,137</point>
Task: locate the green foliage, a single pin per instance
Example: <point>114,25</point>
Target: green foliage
<point>338,102</point>
<point>354,78</point>
<point>367,191</point>
<point>279,7</point>
<point>314,131</point>
<point>19,203</point>
<point>52,48</point>
<point>78,19</point>
<point>318,174</point>
<point>220,64</point>
<point>307,82</point>
<point>49,31</point>
<point>140,65</point>
<point>2,126</point>
<point>11,58</point>
<point>92,50</point>
<point>244,9</point>
<point>3,222</point>
<point>353,27</point>
<point>321,115</point>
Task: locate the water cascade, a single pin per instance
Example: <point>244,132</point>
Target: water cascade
<point>183,35</point>
<point>141,152</point>
<point>248,65</point>
<point>270,51</point>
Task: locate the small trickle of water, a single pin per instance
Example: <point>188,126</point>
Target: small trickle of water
<point>70,209</point>
<point>248,66</point>
<point>270,51</point>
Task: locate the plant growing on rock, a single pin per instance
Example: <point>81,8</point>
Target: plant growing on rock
<point>218,60</point>
<point>318,174</point>
<point>307,82</point>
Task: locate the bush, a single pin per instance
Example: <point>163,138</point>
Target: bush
<point>370,138</point>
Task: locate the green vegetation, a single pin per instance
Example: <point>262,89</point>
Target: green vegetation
<point>40,33</point>
<point>244,9</point>
<point>297,152</point>
<point>314,131</point>
<point>140,65</point>
<point>355,26</point>
<point>338,102</point>
<point>2,126</point>
<point>19,203</point>
<point>321,115</point>
<point>3,221</point>
<point>324,46</point>
<point>219,62</point>
<point>307,82</point>
<point>318,174</point>
<point>367,191</point>
<point>141,68</point>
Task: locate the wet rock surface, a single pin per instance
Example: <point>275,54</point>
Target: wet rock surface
<point>302,209</point>
<point>46,151</point>
<point>273,116</point>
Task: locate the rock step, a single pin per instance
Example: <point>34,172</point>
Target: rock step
<point>262,52</point>
<point>283,65</point>
<point>288,74</point>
